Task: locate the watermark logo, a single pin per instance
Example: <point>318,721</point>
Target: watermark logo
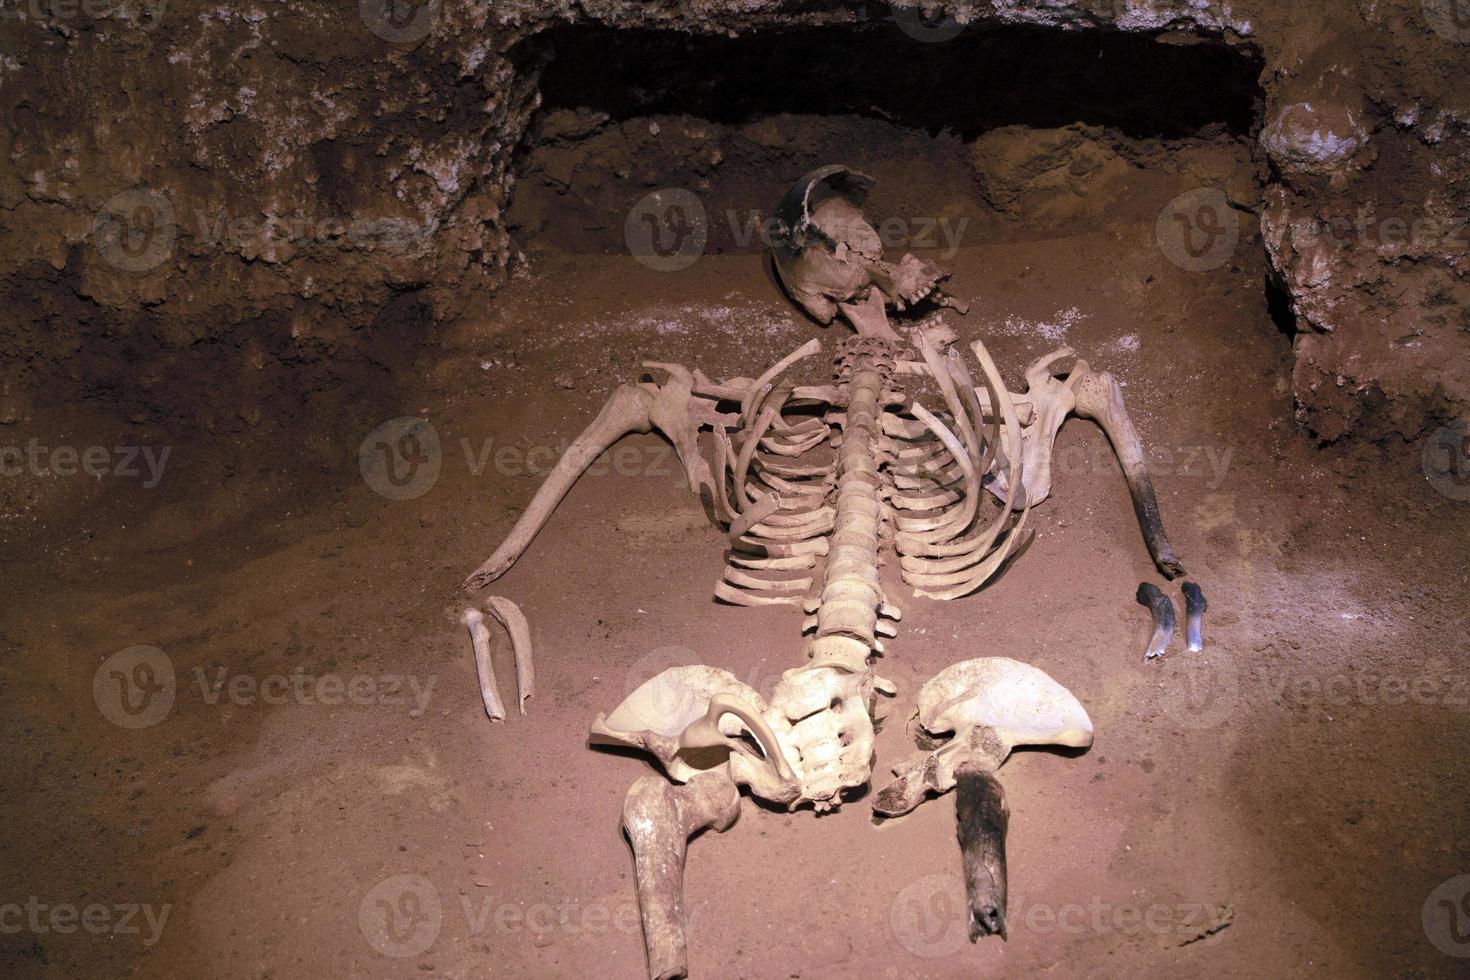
<point>134,688</point>
<point>929,24</point>
<point>928,918</point>
<point>1436,686</point>
<point>122,462</point>
<point>667,230</point>
<point>665,695</point>
<point>277,235</point>
<point>401,916</point>
<point>1450,19</point>
<point>401,458</point>
<point>1203,695</point>
<point>669,695</point>
<point>1197,231</point>
<point>332,690</point>
<point>1446,460</point>
<point>400,21</point>
<point>1446,917</point>
<point>64,918</point>
<point>148,13</point>
<point>1189,921</point>
<point>135,230</point>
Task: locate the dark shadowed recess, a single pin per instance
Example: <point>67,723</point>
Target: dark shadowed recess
<point>977,81</point>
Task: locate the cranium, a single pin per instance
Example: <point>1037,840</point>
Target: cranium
<point>830,259</point>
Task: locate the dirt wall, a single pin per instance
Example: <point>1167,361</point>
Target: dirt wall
<point>277,198</point>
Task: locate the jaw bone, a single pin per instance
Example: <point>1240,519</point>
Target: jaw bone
<point>991,705</point>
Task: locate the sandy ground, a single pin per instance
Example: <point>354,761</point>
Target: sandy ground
<point>323,795</point>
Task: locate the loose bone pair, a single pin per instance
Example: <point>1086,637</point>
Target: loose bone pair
<point>508,615</point>
<point>830,474</point>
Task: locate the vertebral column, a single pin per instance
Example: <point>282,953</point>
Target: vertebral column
<point>851,595</point>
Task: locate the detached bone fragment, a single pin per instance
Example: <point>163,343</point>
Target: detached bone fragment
<point>509,615</point>
<point>474,621</point>
<point>1194,617</point>
<point>1161,607</point>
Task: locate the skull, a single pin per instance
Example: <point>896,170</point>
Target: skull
<point>829,258</point>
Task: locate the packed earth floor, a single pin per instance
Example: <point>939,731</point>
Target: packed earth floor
<point>1286,802</point>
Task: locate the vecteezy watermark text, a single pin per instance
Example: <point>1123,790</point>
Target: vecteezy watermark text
<point>1368,689</point>
<point>137,231</point>
<point>402,459</point>
<point>95,918</point>
<point>929,917</point>
<point>260,234</point>
<point>1415,232</point>
<point>670,228</point>
<point>404,915</point>
<point>137,687</point>
<point>150,12</point>
<point>299,687</point>
<point>123,462</point>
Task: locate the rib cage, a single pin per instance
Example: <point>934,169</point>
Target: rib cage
<point>795,488</point>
